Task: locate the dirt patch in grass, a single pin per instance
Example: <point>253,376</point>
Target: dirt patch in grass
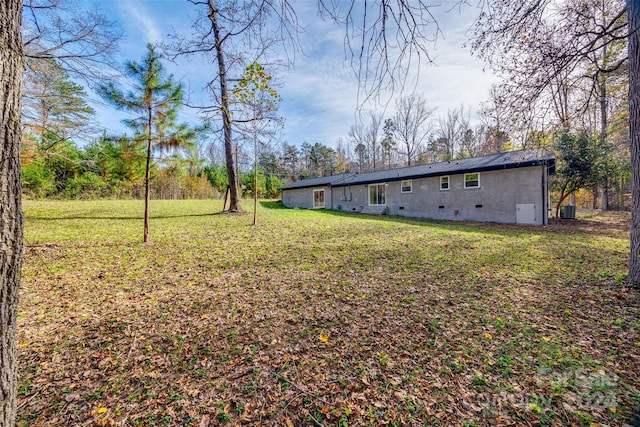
<point>318,319</point>
<point>611,223</point>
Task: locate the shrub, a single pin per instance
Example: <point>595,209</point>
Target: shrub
<point>86,186</point>
<point>38,180</point>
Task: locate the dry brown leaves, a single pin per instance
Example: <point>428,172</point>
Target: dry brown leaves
<point>313,319</point>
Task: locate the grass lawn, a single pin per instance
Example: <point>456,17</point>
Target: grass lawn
<point>322,318</point>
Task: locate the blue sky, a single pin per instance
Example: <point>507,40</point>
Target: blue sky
<point>320,92</point>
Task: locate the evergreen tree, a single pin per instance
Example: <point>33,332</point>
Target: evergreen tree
<point>577,167</point>
<point>155,99</point>
<point>119,161</point>
<point>52,103</point>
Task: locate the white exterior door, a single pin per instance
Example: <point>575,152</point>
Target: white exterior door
<point>526,213</point>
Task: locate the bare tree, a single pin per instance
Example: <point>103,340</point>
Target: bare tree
<point>506,27</point>
<point>494,115</point>
<point>449,134</point>
<point>342,156</point>
<point>372,138</point>
<point>412,125</point>
<point>366,141</point>
<point>387,39</point>
<point>358,139</point>
<point>225,32</point>
<point>604,84</point>
<point>62,42</point>
<point>11,220</point>
<point>544,56</point>
<point>388,142</point>
<point>82,40</point>
<point>633,14</point>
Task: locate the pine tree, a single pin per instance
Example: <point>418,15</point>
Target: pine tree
<point>155,99</point>
<point>52,103</point>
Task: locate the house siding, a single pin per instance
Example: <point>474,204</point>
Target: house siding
<point>303,197</point>
<point>499,193</point>
<point>513,187</point>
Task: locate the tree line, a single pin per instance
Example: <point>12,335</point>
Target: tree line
<point>162,159</point>
<point>176,160</point>
<point>530,108</point>
<point>566,67</point>
<point>187,164</point>
<point>114,167</point>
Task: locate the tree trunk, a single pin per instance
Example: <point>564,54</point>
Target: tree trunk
<point>234,199</point>
<point>255,174</point>
<point>563,195</point>
<point>11,220</point>
<point>559,204</point>
<point>633,14</point>
<point>604,204</point>
<point>147,174</point>
<point>604,196</point>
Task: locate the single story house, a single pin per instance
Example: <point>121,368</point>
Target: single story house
<point>510,187</point>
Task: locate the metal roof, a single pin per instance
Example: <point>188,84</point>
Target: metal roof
<point>509,160</point>
<point>316,182</point>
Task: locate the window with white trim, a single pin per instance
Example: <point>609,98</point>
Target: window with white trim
<point>318,198</point>
<point>405,186</point>
<point>444,183</point>
<point>471,180</point>
<point>376,194</point>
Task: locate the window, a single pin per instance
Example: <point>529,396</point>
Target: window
<point>444,183</point>
<point>405,186</point>
<point>471,180</point>
<point>376,194</point>
<point>318,198</point>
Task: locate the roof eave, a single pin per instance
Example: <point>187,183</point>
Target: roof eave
<point>523,164</point>
<point>359,179</point>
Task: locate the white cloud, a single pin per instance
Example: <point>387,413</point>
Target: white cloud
<point>138,18</point>
<point>320,94</point>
